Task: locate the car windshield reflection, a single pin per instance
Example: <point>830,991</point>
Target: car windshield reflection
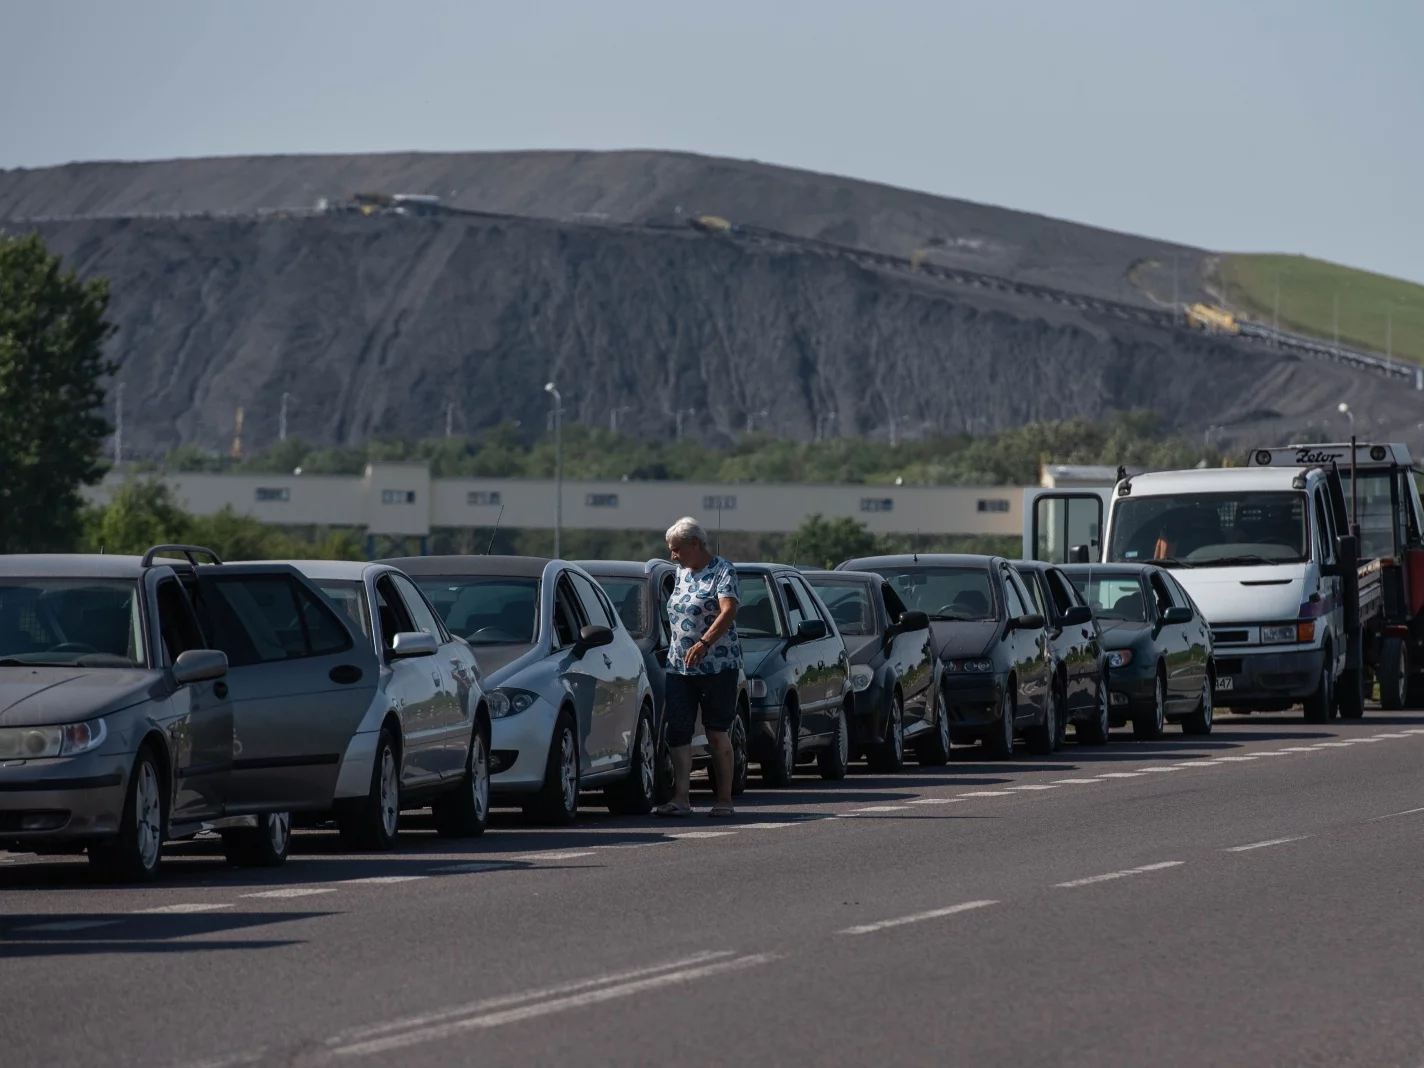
<point>944,593</point>
<point>84,622</point>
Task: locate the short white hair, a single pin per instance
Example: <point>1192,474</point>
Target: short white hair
<point>686,529</point>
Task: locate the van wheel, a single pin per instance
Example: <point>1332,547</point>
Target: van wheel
<point>1393,673</point>
<point>464,811</point>
<point>1149,725</point>
<point>133,855</point>
<point>1320,704</point>
<point>934,752</point>
<point>556,803</point>
<point>376,822</point>
<point>835,758</point>
<point>263,846</point>
<point>1350,695</point>
<point>780,767</point>
<point>889,756</point>
<point>634,796</point>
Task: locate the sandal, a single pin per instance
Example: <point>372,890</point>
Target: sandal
<point>673,810</point>
<point>722,812</point>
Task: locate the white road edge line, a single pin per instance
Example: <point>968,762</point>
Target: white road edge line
<point>879,808</point>
<point>179,910</point>
<point>936,800</point>
<point>294,891</point>
<point>1075,782</point>
<point>918,917</point>
<point>986,793</point>
<point>1267,842</point>
<point>1406,812</point>
<point>1107,876</point>
<point>547,1008</point>
<point>569,855</point>
<point>701,834</point>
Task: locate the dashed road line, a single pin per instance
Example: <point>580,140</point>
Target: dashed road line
<point>1406,812</point>
<point>701,834</point>
<point>771,826</point>
<point>1121,775</point>
<point>880,808</point>
<point>1075,782</point>
<point>1295,749</point>
<point>567,855</point>
<point>182,909</point>
<point>1158,769</point>
<point>918,917</point>
<point>1036,786</point>
<point>1335,745</point>
<point>294,891</point>
<point>1230,759</point>
<point>936,800</point>
<point>986,793</point>
<point>475,866</point>
<point>1263,845</point>
<point>382,880</point>
<point>1108,876</point>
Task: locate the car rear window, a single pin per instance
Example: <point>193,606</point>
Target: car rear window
<point>495,610</point>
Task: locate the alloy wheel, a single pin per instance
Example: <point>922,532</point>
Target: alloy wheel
<point>647,770</point>
<point>148,814</point>
<point>279,829</point>
<point>479,777</point>
<point>788,745</point>
<point>943,708</point>
<point>390,793</point>
<point>568,770</point>
<point>1160,701</point>
<point>897,726</point>
<point>843,738</point>
<point>1208,707</point>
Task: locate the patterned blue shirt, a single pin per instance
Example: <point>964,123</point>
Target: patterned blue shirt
<point>692,608</point>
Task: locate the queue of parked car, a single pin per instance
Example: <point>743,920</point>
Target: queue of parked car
<point>154,698</point>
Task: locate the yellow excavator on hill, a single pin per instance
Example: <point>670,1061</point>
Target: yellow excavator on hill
<point>1212,320</point>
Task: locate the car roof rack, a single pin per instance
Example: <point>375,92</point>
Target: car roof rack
<point>186,550</point>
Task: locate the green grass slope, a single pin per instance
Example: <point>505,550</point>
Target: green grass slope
<point>1309,289</point>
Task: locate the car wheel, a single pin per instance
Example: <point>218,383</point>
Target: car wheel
<point>780,767</point>
<point>1151,723</point>
<point>464,811</point>
<point>1040,738</point>
<point>1393,673</point>
<point>263,846</point>
<point>557,800</point>
<point>1097,731</point>
<point>1200,721</point>
<point>376,822</point>
<point>999,743</point>
<point>889,755</point>
<point>737,735</point>
<point>635,795</point>
<point>134,854</point>
<point>834,759</point>
<point>665,774</point>
<point>934,752</point>
<point>1320,704</point>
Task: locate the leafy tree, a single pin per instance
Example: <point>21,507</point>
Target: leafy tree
<point>826,542</point>
<point>52,334</point>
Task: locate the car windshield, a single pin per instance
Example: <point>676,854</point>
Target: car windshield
<point>349,596</point>
<point>86,622</point>
<point>487,611</point>
<point>756,611</point>
<point>849,603</point>
<point>1210,529</point>
<point>959,593</point>
<point>628,596</point>
<point>1116,597</point>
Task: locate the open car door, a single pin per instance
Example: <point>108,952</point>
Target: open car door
<point>1065,526</point>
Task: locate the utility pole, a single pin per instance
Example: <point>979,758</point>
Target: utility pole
<point>1337,320</point>
<point>1276,314</point>
<point>1176,302</point>
<point>282,418</point>
<point>550,388</point>
<point>1389,331</point>
<point>893,420</point>
<point>119,425</point>
<point>613,417</point>
<point>752,417</point>
<point>680,413</point>
<point>450,419</point>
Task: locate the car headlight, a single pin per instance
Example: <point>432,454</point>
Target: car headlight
<point>756,689</point>
<point>1119,658</point>
<point>861,678</point>
<point>34,743</point>
<point>1285,632</point>
<point>510,702</point>
<point>977,666</point>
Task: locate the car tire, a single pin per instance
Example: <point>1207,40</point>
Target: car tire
<point>1350,695</point>
<point>636,795</point>
<point>1200,721</point>
<point>1393,674</point>
<point>1149,725</point>
<point>779,769</point>
<point>666,774</point>
<point>999,743</point>
<point>738,736</point>
<point>934,751</point>
<point>889,756</point>
<point>464,811</point>
<point>136,852</point>
<point>1098,730</point>
<point>263,846</point>
<point>374,823</point>
<point>834,759</point>
<point>1321,704</point>
<point>556,803</point>
<point>1060,732</point>
<point>1040,737</point>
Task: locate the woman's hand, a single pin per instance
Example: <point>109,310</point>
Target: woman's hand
<point>694,656</point>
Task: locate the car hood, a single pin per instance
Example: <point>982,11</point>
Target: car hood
<point>756,650</point>
<point>35,696</point>
<point>1120,633</point>
<point>496,660</point>
<point>862,649</point>
<point>1246,594</point>
<point>956,638</point>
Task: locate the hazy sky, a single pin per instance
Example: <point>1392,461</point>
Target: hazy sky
<point>1262,125</point>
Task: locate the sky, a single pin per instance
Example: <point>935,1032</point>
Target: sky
<point>1239,125</point>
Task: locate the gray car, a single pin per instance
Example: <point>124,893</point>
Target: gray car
<point>639,592</point>
<point>145,699</point>
<point>425,739</point>
<point>570,704</point>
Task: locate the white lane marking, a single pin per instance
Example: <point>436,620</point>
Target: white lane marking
<point>1267,842</point>
<point>1392,735</point>
<point>1231,760</point>
<point>1193,764</point>
<point>546,1008</point>
<point>1107,876</point>
<point>179,910</point>
<point>986,793</point>
<point>1158,769</point>
<point>1074,782</point>
<point>918,917</point>
<point>294,891</point>
<point>1334,745</point>
<point>1406,812</point>
<point>1121,775</point>
<point>881,808</point>
<point>936,800</point>
<point>767,826</point>
<point>250,1057</point>
<point>634,845</point>
<point>568,855</point>
<point>701,834</point>
<point>65,925</point>
<point>1376,738</point>
<point>382,880</point>
<point>1277,752</point>
<point>1038,786</point>
<point>1293,749</point>
<point>474,866</point>
<point>1413,730</point>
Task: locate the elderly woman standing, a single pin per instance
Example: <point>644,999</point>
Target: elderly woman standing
<point>704,660</point>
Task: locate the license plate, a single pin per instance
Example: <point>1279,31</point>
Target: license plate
<point>1225,683</point>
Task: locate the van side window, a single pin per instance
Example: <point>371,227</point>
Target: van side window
<point>1324,531</point>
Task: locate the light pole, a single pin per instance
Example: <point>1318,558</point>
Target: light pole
<point>282,418</point>
<point>119,425</point>
<point>680,413</point>
<point>1209,431</point>
<point>614,414</point>
<point>550,388</point>
<point>450,419</point>
<point>1344,410</point>
<point>752,417</point>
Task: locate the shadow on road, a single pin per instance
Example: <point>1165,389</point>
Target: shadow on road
<point>60,934</point>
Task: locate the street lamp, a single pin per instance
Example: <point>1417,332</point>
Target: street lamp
<point>550,388</point>
<point>1344,410</point>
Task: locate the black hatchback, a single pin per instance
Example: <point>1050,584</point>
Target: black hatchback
<point>1080,685</point>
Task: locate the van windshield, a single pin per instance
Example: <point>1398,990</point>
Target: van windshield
<point>1210,529</point>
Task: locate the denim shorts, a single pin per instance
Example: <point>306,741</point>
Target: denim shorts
<point>715,694</point>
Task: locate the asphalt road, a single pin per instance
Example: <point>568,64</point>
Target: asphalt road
<point>1252,898</point>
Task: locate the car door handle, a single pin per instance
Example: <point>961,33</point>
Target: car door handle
<point>345,674</point>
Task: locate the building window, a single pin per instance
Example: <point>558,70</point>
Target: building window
<point>482,498</point>
<point>996,504</point>
<point>716,503</point>
<point>273,493</point>
<point>601,500</point>
<point>397,496</point>
<point>877,504</point>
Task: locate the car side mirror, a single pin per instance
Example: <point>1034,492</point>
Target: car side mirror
<point>591,637</point>
<point>1177,614</point>
<point>810,630</point>
<point>1080,615</point>
<point>199,665</point>
<point>1032,621</point>
<point>912,620</point>
<point>413,643</point>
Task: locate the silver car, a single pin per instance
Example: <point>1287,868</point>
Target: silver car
<point>122,725</point>
<point>425,738</point>
<point>569,696</point>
